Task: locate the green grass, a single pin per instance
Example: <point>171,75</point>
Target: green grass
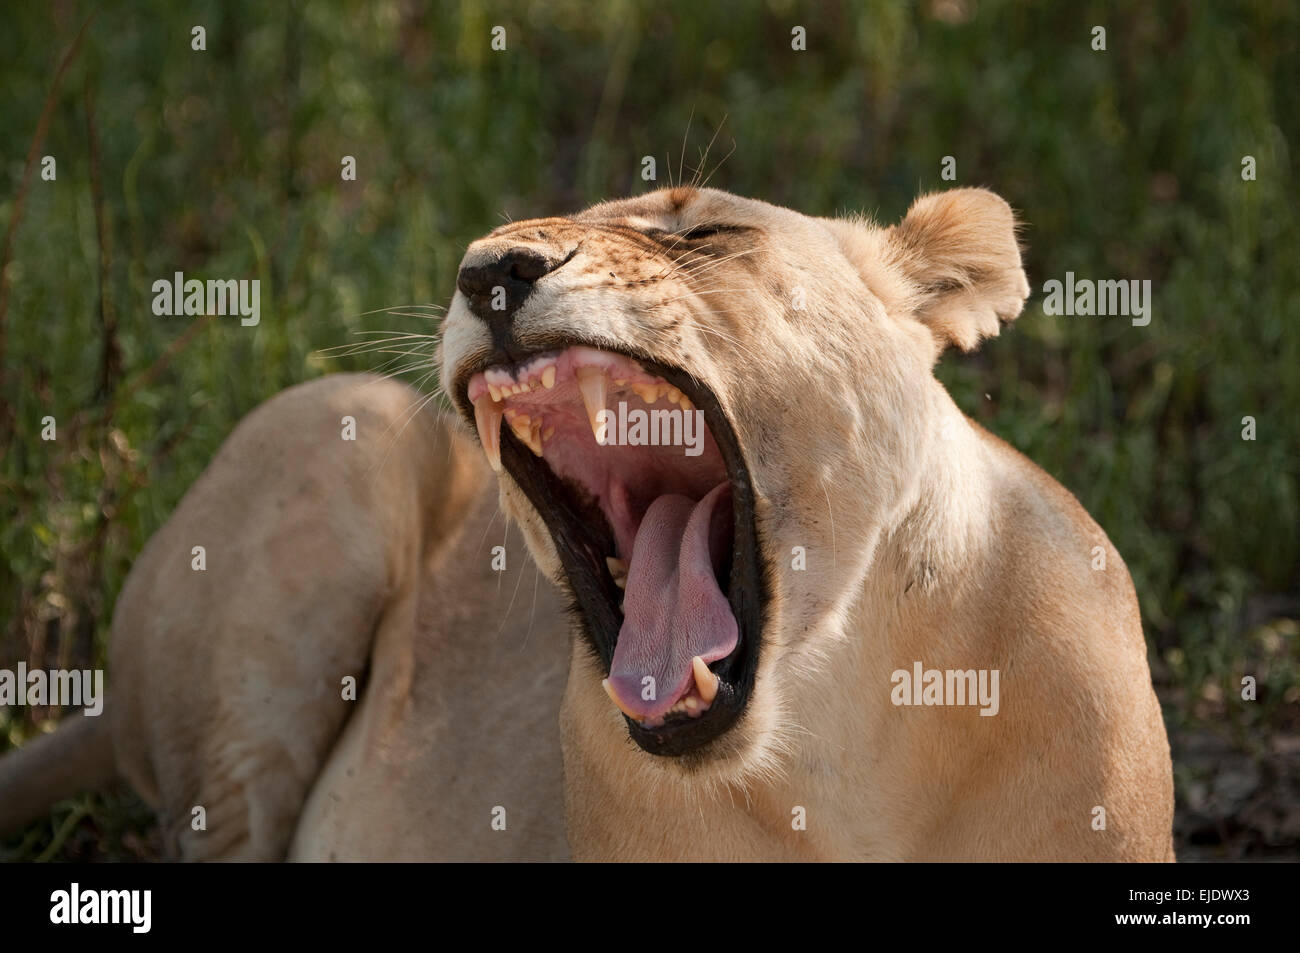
<point>225,163</point>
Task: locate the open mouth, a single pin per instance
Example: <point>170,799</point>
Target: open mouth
<point>639,478</point>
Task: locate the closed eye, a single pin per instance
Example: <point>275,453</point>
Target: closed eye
<point>695,233</point>
<point>705,231</point>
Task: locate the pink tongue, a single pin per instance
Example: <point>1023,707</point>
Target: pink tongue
<point>673,609</point>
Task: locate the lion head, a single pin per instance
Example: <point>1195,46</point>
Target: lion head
<point>705,411</point>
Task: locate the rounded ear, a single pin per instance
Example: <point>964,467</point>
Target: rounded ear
<point>952,263</point>
<point>958,254</point>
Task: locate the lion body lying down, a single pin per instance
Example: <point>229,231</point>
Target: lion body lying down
<point>931,544</point>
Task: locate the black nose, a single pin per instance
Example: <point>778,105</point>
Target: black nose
<point>497,288</point>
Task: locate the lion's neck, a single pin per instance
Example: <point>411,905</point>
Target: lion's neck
<point>946,525</point>
<point>906,609</point>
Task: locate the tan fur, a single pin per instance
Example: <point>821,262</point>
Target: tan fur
<point>329,558</point>
<point>927,539</point>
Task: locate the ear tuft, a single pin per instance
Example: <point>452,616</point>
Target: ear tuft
<point>958,254</point>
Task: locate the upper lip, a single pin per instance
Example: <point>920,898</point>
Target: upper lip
<point>581,549</point>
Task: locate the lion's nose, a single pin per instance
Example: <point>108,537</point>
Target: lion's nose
<point>497,287</point>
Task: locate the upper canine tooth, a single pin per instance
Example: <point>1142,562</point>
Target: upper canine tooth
<point>548,377</point>
<point>705,681</point>
<point>487,417</point>
<point>592,384</point>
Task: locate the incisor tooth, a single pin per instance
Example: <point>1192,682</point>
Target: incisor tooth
<point>535,438</point>
<point>495,392</point>
<point>706,683</point>
<point>617,570</point>
<point>487,416</point>
<point>519,424</point>
<point>548,377</point>
<point>592,384</point>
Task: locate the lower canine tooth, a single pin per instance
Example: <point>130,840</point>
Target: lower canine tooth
<point>519,424</point>
<point>706,683</point>
<point>609,690</point>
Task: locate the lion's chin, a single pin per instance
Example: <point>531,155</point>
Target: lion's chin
<point>636,474</point>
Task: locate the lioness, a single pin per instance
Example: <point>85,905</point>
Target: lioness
<point>792,566</point>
